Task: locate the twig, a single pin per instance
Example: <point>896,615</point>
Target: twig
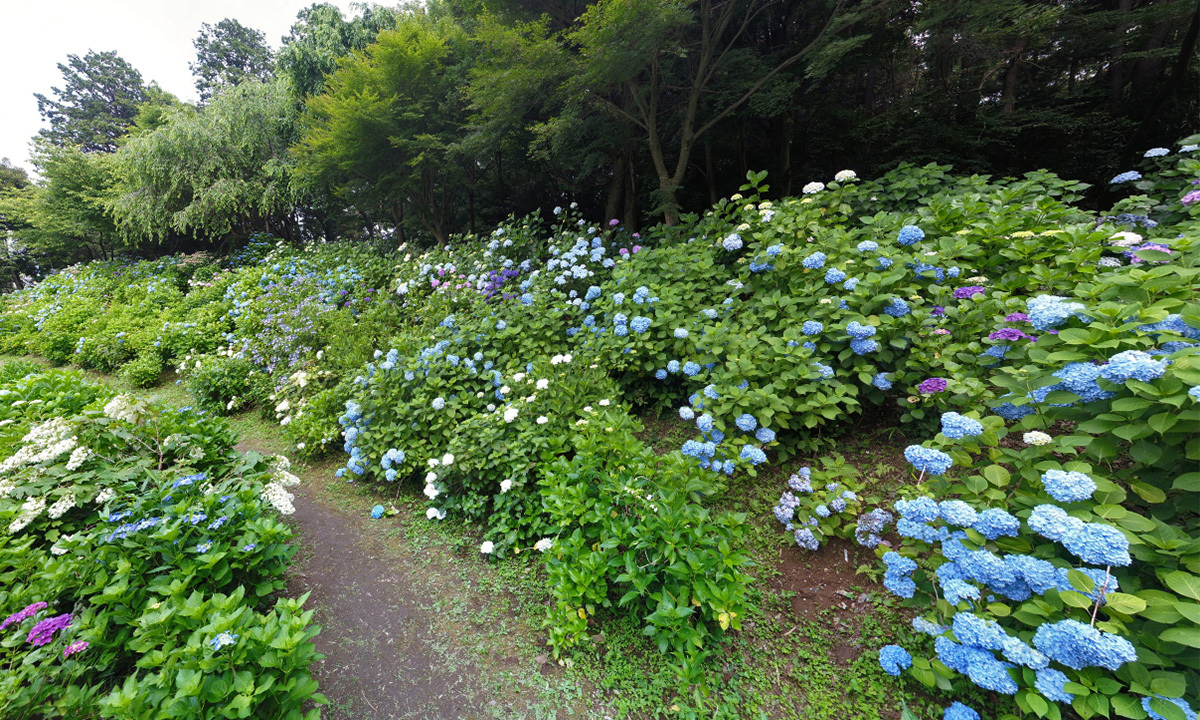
<point>1100,595</point>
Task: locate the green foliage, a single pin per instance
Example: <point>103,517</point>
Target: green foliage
<point>211,172</point>
<point>228,54</point>
<point>141,523</point>
<point>96,104</point>
<point>630,534</point>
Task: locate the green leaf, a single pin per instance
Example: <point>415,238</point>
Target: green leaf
<point>1189,636</point>
<point>1149,493</point>
<point>1183,583</point>
<point>1124,603</point>
<point>1074,599</point>
<point>1080,581</point>
<point>1164,708</point>
<point>1189,482</point>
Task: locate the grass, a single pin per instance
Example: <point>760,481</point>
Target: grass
<point>783,664</point>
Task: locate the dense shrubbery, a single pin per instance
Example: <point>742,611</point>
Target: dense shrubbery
<point>139,557</point>
<point>494,368</point>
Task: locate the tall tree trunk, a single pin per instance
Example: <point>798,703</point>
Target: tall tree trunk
<point>1011,77</point>
<point>616,185</point>
<point>1116,66</point>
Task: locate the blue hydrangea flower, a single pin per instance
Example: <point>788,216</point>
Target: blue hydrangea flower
<point>1098,544</point>
<point>691,369</point>
<point>812,327</point>
<point>894,659</point>
<point>910,235</point>
<point>1156,152</point>
<point>851,283</point>
<point>705,423</point>
<point>993,523</point>
<point>816,261</point>
<point>880,381</point>
<point>639,324</point>
<point>855,329</point>
<point>920,531</point>
<point>956,427</point>
<point>775,250</point>
<point>957,512</point>
<point>1049,311</point>
<point>1050,684</point>
<point>958,711</point>
<point>825,370</point>
<point>377,511</point>
<point>927,460</point>
<point>1188,712</point>
<point>1080,378</point>
<point>1077,646</point>
<point>673,366</point>
<point>970,629</point>
<point>660,374</point>
<point>1068,486</point>
<point>732,242</point>
<point>926,627</point>
<point>686,413</point>
<point>1194,393</point>
<point>765,435</point>
<point>1133,365</point>
<point>681,333</point>
<point>922,509</point>
<point>884,263</point>
<point>822,510</point>
<point>868,246</point>
<point>753,455</point>
<point>897,308</point>
<point>710,392</point>
<point>834,275</point>
<point>1053,523</point>
<point>746,422</point>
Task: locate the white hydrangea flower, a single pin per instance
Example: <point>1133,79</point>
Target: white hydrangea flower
<point>543,384</point>
<point>510,414</point>
<point>487,548</point>
<point>519,377</point>
<point>61,506</point>
<point>78,456</point>
<point>845,176</point>
<point>542,420</point>
<point>1125,239</point>
<point>279,498</point>
<point>104,495</point>
<point>813,187</point>
<point>447,460</point>
<point>505,486</point>
<point>603,403</point>
<point>435,514</point>
<point>544,544</point>
<point>431,491</point>
<point>1036,438</point>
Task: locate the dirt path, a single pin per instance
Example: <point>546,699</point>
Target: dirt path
<point>382,660</point>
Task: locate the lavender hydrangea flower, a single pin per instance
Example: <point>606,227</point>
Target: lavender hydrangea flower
<point>968,291</point>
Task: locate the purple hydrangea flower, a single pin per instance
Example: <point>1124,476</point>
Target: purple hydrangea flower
<point>967,292</point>
<point>932,385</point>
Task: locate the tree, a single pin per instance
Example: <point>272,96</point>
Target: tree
<point>65,214</point>
<point>227,54</point>
<point>216,172</point>
<point>321,36</point>
<point>96,105</point>
<point>383,134</point>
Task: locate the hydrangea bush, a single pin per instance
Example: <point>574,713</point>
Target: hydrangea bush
<point>140,555</point>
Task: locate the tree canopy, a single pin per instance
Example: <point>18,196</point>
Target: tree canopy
<point>227,54</point>
<point>96,104</point>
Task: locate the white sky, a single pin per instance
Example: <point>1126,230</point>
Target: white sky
<point>155,36</point>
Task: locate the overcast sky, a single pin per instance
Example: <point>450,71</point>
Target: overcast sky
<point>155,36</point>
